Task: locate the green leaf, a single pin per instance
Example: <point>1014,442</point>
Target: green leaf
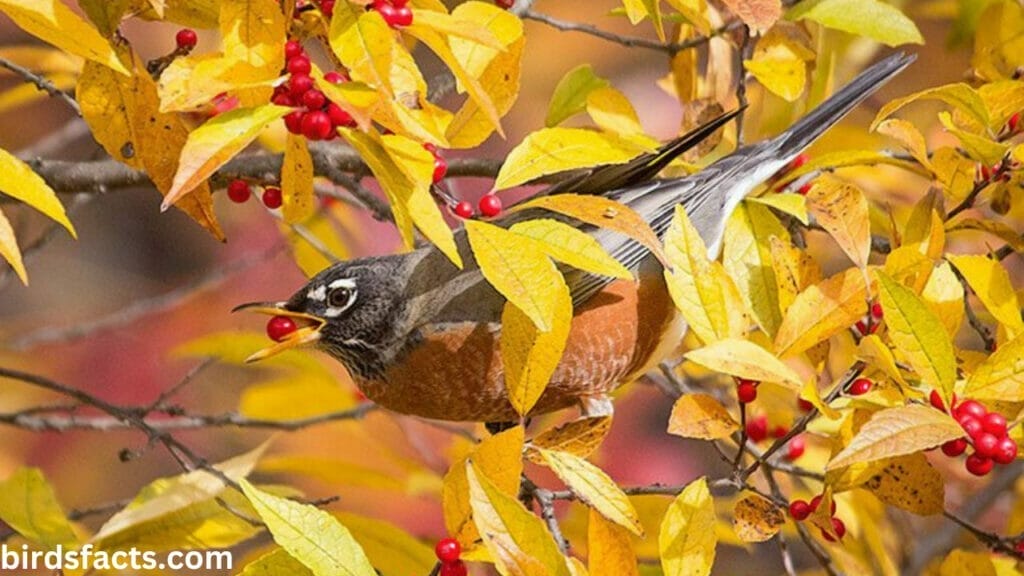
<point>310,534</point>
<point>918,334</point>
<point>870,18</point>
<point>552,150</point>
<point>570,97</point>
<point>29,505</point>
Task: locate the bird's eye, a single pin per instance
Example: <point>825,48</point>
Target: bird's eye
<point>341,297</point>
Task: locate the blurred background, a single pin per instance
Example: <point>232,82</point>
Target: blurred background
<point>105,313</point>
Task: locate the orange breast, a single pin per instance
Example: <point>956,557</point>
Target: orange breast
<point>455,373</point>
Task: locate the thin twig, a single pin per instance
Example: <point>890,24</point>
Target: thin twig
<point>43,84</point>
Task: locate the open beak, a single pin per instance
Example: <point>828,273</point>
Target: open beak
<point>308,331</point>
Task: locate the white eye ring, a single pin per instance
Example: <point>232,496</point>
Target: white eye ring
<point>340,299</point>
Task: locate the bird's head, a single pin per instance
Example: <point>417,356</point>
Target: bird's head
<point>348,310</point>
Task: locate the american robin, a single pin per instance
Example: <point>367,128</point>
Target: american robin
<point>421,337</point>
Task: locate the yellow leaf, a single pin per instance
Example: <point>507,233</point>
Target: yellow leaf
<point>320,226</point>
<point>498,72</point>
<point>293,398</point>
<point>978,146</point>
<point>53,22</point>
<point>959,95</point>
<point>456,25</point>
<point>391,550</point>
<point>794,270</point>
<point>990,281</point>
<point>529,355</point>
<point>911,483</point>
<point>871,18</point>
<point>687,538</point>
<point>610,548</point>
<point>873,350</point>
<point>918,334</point>
<point>924,229</point>
<point>756,519</point>
<point>572,246</point>
<point>594,488</point>
<point>842,210</point>
<point>612,112</point>
<point>356,98</point>
<point>955,173</point>
<point>945,297</point>
<point>276,563</point>
<point>190,83</point>
<point>9,248</point>
<point>551,150</point>
<point>793,204</point>
<point>499,458</point>
<point>691,282</point>
<point>438,44</point>
<point>403,169</point>
<point>780,63</point>
<point>994,227</point>
<point>603,213</point>
<point>844,158</point>
<point>908,137</point>
<point>515,537</point>
<point>22,184</point>
<point>525,277</point>
<point>365,45</point>
<point>310,534</point>
<point>29,506</point>
<point>810,393</point>
<point>746,255</point>
<point>821,311</point>
<point>700,416</point>
<point>967,563</point>
<point>251,31</point>
<point>760,15</point>
<point>999,49</point>
<point>580,437</point>
<point>898,431</point>
<point>334,472</point>
<point>1001,375</point>
<point>214,143</point>
<point>297,181</point>
<point>744,359</point>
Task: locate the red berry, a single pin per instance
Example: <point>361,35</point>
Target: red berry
<point>403,16</point>
<point>972,408</point>
<point>283,100</point>
<point>316,125</point>
<point>490,205</point>
<point>1013,122</point>
<point>504,4</point>
<point>978,465</point>
<point>448,550</point>
<point>293,121</point>
<point>954,448</point>
<point>1006,451</point>
<point>757,428</point>
<point>299,84</point>
<point>387,11</point>
<point>333,77</point>
<point>463,209</point>
<point>440,168</point>
<point>986,444</point>
<point>804,405</point>
<point>279,327</point>
<point>299,65</point>
<point>780,431</point>
<point>859,387</point>
<point>797,445</point>
<point>994,423</point>
<point>838,527</point>
<point>799,510</point>
<point>327,7</point>
<point>239,191</point>
<point>314,100</point>
<point>876,311</point>
<point>186,39</point>
<point>223,103</point>
<point>971,425</point>
<point>746,392</point>
<point>338,116</point>
<point>457,568</point>
<point>272,198</point>
<point>936,400</point>
<point>292,48</point>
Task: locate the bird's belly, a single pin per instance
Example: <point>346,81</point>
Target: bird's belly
<point>455,371</point>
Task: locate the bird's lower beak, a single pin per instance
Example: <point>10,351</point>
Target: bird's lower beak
<point>308,331</point>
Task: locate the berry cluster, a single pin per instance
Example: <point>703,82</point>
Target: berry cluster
<point>490,206</point>
<point>239,192</point>
<point>986,433</point>
<point>448,551</point>
<point>800,510</point>
<point>757,430</point>
<point>314,116</point>
<point>396,13</point>
<point>869,324</point>
<point>279,327</point>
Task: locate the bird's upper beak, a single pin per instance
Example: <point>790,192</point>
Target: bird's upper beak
<point>308,331</point>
